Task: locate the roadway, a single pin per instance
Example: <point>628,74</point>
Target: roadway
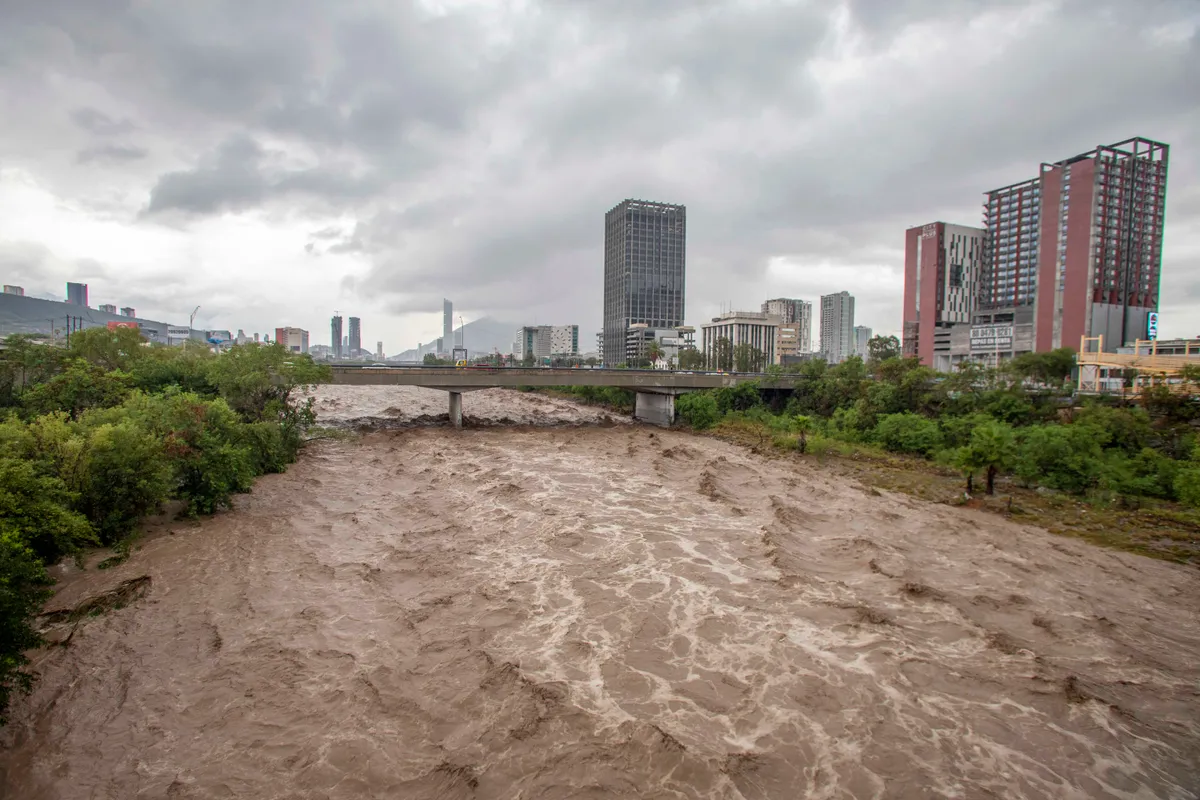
<point>654,398</point>
<point>467,378</point>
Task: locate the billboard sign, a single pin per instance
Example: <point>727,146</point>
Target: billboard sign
<point>174,332</point>
<point>992,337</point>
<point>1152,325</point>
<point>122,325</point>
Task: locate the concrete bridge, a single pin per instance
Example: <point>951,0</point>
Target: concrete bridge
<point>655,390</point>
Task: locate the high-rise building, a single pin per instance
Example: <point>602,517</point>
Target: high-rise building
<point>644,270</point>
<point>77,294</point>
<point>1074,252</point>
<point>128,311</point>
<point>564,340</point>
<point>335,335</point>
<point>533,341</point>
<point>447,326</point>
<point>17,290</point>
<point>293,339</point>
<point>355,337</point>
<point>793,312</point>
<point>787,341</point>
<point>862,335</point>
<point>942,270</point>
<point>108,308</point>
<point>837,327</point>
<point>379,351</point>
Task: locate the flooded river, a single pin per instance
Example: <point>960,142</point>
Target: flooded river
<point>601,610</point>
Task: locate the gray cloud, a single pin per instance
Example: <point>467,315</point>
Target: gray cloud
<point>478,148</point>
<point>111,152</point>
<point>99,123</point>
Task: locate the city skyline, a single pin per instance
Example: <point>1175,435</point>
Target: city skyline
<point>130,175</point>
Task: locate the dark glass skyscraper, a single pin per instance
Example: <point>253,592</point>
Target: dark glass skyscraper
<point>644,258</point>
<point>335,335</point>
<point>355,336</point>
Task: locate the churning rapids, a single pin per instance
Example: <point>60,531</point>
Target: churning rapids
<point>597,609</point>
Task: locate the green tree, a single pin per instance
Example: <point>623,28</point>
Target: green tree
<point>122,475</point>
<point>691,359</point>
<point>883,348</point>
<point>24,588</point>
<point>908,433</point>
<point>803,425</point>
<point>37,510</point>
<point>747,358</point>
<point>25,361</point>
<point>80,386</point>
<point>110,349</point>
<point>720,355</point>
<point>697,409</point>
<point>991,448</point>
<point>1063,457</point>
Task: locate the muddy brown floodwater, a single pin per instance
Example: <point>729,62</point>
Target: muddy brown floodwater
<point>608,611</point>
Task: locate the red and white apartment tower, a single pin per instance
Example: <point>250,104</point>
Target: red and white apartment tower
<point>1073,252</point>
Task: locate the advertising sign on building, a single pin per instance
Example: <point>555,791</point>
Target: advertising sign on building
<point>1152,325</point>
<point>122,325</point>
<point>174,332</point>
<point>992,337</point>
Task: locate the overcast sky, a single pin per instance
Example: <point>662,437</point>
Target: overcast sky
<point>275,160</point>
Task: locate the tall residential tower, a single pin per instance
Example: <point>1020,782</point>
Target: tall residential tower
<point>335,335</point>
<point>942,266</point>
<point>644,266</point>
<point>355,337</point>
<point>837,327</point>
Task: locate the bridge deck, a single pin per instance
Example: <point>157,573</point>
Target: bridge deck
<point>465,378</point>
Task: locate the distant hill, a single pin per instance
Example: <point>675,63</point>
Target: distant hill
<point>484,335</point>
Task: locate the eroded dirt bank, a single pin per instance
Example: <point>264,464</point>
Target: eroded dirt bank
<point>611,612</point>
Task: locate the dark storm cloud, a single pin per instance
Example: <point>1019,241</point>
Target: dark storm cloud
<point>99,123</point>
<point>239,174</point>
<point>111,152</point>
<point>479,148</point>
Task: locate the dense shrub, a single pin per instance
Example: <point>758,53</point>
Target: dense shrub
<point>24,587</point>
<point>697,409</point>
<point>737,398</point>
<point>37,510</point>
<point>122,475</point>
<point>1064,457</point>
<point>79,387</point>
<point>908,433</point>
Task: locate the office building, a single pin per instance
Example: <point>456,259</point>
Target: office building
<point>942,282</point>
<point>447,327</point>
<point>355,337</point>
<point>837,327</point>
<point>670,343</point>
<point>862,335</point>
<point>788,336</point>
<point>77,294</point>
<point>644,270</point>
<point>107,308</point>
<point>293,339</point>
<point>17,290</point>
<point>379,351</point>
<point>793,312</point>
<point>721,338</point>
<point>335,336</point>
<point>128,311</point>
<point>532,341</point>
<point>1073,252</point>
<point>564,340</point>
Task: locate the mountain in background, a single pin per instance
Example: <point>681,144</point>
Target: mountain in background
<point>482,336</point>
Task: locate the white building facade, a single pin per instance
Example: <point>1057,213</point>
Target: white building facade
<point>837,327</point>
<point>756,329</point>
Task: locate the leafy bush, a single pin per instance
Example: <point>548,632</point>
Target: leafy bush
<point>24,588</point>
<point>697,409</point>
<point>1187,486</point>
<point>269,451</point>
<point>122,475</point>
<point>737,398</point>
<point>1064,457</point>
<point>908,433</point>
<point>79,387</point>
<point>36,509</point>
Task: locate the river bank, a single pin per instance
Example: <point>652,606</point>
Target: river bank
<point>581,610</point>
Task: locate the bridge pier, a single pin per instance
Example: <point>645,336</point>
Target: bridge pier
<point>655,408</point>
<point>456,409</point>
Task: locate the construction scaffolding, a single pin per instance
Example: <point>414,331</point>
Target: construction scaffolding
<point>1129,374</point>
